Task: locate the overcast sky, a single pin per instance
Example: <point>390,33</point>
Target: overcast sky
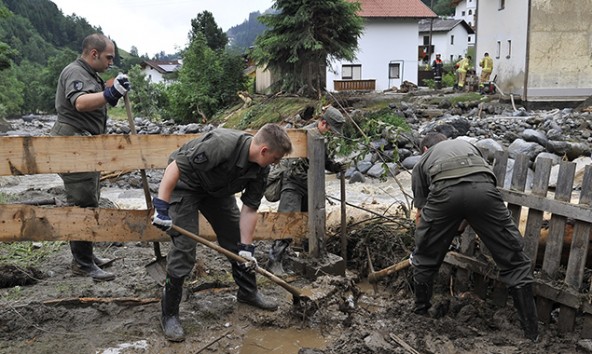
<point>153,26</point>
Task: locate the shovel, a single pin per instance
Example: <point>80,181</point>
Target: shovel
<point>298,295</point>
<point>156,269</point>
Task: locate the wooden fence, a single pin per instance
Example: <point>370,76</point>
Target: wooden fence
<point>560,277</point>
<point>105,153</point>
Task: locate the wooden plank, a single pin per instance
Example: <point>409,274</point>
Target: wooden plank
<point>577,256</point>
<point>534,221</point>
<point>499,166</point>
<point>33,223</point>
<point>56,154</point>
<point>467,248</point>
<point>519,177</point>
<point>554,245</point>
<point>316,195</point>
<point>556,207</point>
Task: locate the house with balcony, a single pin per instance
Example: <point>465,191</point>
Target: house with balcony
<point>541,49</point>
<point>387,48</point>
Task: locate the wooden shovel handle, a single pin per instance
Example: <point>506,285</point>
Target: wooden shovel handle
<point>293,290</point>
<point>375,276</point>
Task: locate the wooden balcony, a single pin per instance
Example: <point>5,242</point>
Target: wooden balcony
<point>354,85</point>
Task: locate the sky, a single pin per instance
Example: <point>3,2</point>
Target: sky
<point>153,26</point>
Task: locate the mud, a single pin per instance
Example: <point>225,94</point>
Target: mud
<point>122,316</point>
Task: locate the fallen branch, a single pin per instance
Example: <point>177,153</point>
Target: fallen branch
<point>403,344</point>
<point>214,341</point>
<point>127,301</point>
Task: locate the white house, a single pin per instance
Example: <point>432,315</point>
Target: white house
<point>467,10</point>
<point>157,71</point>
<point>541,49</point>
<point>450,38</point>
<point>387,53</point>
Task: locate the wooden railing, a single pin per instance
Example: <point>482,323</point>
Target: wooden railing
<point>354,85</point>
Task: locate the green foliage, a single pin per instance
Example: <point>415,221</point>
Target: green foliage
<point>205,24</point>
<point>11,92</point>
<point>467,97</point>
<point>303,37</point>
<point>147,98</point>
<point>27,253</point>
<point>442,7</point>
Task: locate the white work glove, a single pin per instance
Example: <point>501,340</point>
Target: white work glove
<point>161,217</point>
<point>121,85</point>
<point>248,252</point>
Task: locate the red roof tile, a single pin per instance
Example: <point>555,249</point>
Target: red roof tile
<point>394,8</point>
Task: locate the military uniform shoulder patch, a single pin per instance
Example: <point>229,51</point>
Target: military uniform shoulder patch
<point>78,85</point>
<point>200,158</point>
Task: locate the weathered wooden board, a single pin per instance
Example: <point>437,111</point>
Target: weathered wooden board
<point>57,154</point>
<point>33,223</point>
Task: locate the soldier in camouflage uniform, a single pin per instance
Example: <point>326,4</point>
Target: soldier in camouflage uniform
<point>203,176</point>
<point>452,183</point>
<point>81,104</point>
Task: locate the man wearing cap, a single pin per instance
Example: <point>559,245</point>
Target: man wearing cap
<point>294,184</point>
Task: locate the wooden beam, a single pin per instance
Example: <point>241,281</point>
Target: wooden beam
<point>578,212</point>
<point>34,223</point>
<point>25,155</point>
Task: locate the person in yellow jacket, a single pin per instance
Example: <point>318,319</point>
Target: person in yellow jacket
<point>486,65</point>
<point>463,65</point>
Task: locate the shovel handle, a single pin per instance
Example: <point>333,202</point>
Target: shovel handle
<point>293,290</point>
<point>374,276</point>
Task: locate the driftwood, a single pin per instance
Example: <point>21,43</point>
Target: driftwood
<point>86,301</point>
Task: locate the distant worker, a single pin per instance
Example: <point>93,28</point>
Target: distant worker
<point>463,66</point>
<point>437,66</point>
<point>486,65</point>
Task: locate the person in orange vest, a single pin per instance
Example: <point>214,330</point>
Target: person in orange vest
<point>463,66</point>
<point>486,65</point>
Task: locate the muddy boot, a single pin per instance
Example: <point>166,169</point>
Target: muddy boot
<point>103,262</point>
<point>423,294</point>
<point>171,298</point>
<point>527,312</point>
<point>247,289</point>
<point>276,256</point>
<point>83,263</point>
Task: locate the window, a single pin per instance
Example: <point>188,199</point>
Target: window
<point>426,40</point>
<point>502,4</point>
<point>509,49</point>
<point>351,72</point>
<point>462,13</point>
<point>469,39</point>
<point>498,49</point>
<point>451,58</point>
<point>470,12</point>
<point>394,70</point>
<point>452,40</point>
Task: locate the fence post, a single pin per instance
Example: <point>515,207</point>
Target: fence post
<point>316,193</point>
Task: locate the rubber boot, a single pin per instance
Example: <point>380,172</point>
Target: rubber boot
<point>103,262</point>
<point>247,289</point>
<point>171,298</point>
<point>527,312</point>
<point>83,263</point>
<point>423,294</point>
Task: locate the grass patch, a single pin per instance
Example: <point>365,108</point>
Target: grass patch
<point>27,253</point>
<point>470,96</point>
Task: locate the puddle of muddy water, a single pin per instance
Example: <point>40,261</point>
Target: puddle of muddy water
<point>284,341</point>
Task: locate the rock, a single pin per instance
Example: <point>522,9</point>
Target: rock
<point>581,163</point>
<point>520,146</point>
<point>489,147</point>
<point>356,177</point>
<point>535,136</point>
<point>569,149</point>
<point>555,158</point>
<point>411,161</point>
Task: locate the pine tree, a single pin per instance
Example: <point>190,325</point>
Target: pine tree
<point>303,36</point>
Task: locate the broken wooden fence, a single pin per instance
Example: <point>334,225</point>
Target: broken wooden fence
<point>559,284</point>
<point>105,153</point>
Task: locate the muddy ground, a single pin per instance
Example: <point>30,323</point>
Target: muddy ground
<point>122,316</point>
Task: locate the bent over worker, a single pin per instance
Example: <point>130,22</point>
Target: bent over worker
<point>203,176</point>
<point>451,183</point>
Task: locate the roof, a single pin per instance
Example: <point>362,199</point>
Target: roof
<point>394,9</point>
<point>162,66</point>
<point>443,25</point>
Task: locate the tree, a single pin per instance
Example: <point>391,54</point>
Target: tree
<point>216,39</point>
<point>303,37</point>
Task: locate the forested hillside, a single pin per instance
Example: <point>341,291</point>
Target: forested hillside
<point>243,36</point>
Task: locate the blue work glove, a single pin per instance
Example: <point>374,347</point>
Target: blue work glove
<point>121,85</point>
<point>248,253</point>
<point>161,217</point>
